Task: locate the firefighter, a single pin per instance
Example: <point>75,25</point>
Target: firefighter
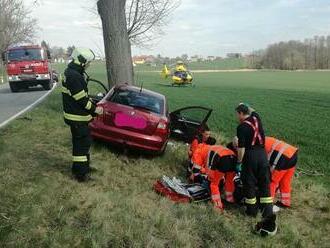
<point>282,158</point>
<point>254,168</point>
<point>215,163</point>
<point>79,110</point>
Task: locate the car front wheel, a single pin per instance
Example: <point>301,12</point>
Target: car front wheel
<point>13,87</point>
<point>47,85</point>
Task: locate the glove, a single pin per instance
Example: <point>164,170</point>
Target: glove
<point>99,110</point>
<point>238,167</point>
<point>237,179</point>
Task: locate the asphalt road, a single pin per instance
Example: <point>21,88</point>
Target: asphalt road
<point>12,104</point>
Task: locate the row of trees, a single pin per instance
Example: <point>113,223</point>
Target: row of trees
<point>292,55</point>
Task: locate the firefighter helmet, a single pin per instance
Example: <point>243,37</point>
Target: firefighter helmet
<point>82,56</point>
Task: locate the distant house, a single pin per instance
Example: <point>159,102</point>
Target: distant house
<point>143,59</point>
<point>211,58</point>
<point>196,58</point>
<point>234,55</point>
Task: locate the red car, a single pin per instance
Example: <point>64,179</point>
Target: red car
<point>140,118</point>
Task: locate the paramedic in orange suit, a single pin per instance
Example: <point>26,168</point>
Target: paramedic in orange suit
<point>282,158</point>
<point>215,163</point>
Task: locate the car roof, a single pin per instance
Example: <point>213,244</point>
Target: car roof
<point>25,46</point>
<point>137,89</point>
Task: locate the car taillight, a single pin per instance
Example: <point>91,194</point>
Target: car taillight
<point>100,117</point>
<point>162,127</point>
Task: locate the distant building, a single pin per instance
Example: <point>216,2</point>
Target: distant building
<point>196,58</point>
<point>234,55</point>
<point>143,59</point>
<point>211,58</point>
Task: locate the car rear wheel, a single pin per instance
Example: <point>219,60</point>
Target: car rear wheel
<point>47,85</point>
<point>162,152</point>
<point>14,87</point>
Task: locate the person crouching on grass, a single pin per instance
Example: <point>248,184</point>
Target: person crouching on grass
<point>211,164</point>
<point>203,137</point>
<point>282,158</point>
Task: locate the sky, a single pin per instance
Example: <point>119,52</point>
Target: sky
<point>196,27</point>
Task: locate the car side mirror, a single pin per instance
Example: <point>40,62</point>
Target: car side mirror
<point>3,57</point>
<point>48,55</point>
<point>98,97</point>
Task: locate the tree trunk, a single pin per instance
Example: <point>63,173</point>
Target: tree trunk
<point>116,42</point>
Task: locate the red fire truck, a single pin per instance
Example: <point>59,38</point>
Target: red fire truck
<point>28,65</point>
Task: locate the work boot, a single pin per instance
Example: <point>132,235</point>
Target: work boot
<point>266,227</point>
<point>276,209</point>
<point>251,210</point>
<point>281,205</point>
<point>81,178</point>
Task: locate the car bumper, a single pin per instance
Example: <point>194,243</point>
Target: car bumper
<point>127,138</point>
<point>36,77</point>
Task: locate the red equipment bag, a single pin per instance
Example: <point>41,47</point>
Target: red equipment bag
<point>172,195</point>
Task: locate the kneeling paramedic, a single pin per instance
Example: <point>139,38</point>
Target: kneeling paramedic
<point>203,137</point>
<point>282,158</point>
<point>254,168</point>
<point>215,163</point>
<point>79,110</point>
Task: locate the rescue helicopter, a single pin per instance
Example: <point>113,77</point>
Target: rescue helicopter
<point>180,76</point>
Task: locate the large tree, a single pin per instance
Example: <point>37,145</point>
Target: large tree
<point>126,21</point>
<point>116,43</point>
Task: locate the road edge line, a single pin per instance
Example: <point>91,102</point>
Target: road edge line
<point>26,109</point>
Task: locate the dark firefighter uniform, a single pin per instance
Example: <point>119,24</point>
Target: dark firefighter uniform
<point>255,169</point>
<point>78,112</point>
<point>216,163</point>
<point>282,158</point>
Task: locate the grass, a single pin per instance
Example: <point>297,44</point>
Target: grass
<point>42,207</point>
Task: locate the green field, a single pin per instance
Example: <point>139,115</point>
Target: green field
<point>42,207</point>
<point>224,64</point>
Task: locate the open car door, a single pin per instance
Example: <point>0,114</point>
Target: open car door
<point>96,90</point>
<point>186,122</point>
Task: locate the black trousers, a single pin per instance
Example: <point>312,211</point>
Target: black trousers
<point>81,143</point>
<point>256,176</point>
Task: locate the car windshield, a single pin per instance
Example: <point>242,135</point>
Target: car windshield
<point>138,100</point>
<point>25,54</point>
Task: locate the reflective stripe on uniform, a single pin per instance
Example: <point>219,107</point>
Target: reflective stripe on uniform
<point>196,166</point>
<point>273,148</point>
<point>88,105</point>
<point>79,95</point>
<point>79,158</point>
<point>216,197</point>
<point>72,117</point>
<point>251,201</point>
<point>266,200</point>
<point>255,127</point>
<point>285,195</point>
<point>66,91</point>
<point>210,158</point>
<point>279,154</point>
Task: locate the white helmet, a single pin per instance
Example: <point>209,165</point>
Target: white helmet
<point>82,56</point>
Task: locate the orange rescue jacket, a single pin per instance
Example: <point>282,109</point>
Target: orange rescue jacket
<point>281,155</point>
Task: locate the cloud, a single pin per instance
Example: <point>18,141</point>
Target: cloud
<point>209,27</point>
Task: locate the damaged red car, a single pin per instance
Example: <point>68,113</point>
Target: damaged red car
<point>140,118</point>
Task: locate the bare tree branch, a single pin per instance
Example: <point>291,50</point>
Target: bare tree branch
<point>16,25</point>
